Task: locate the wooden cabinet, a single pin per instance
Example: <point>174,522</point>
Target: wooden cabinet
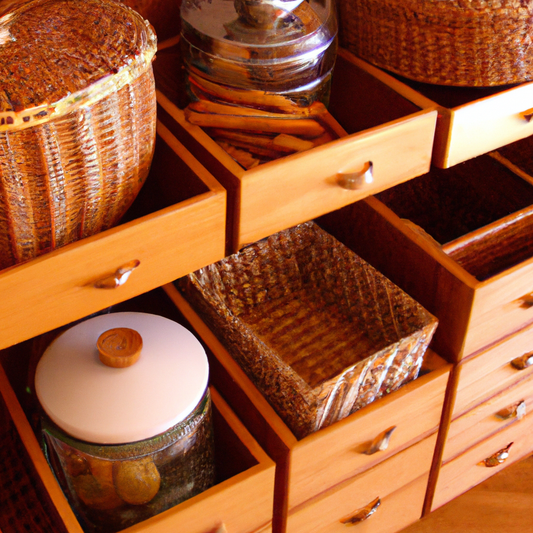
<point>198,205</point>
<point>460,261</point>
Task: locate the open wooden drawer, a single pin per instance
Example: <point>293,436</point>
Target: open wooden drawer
<point>472,120</point>
<point>244,472</point>
<point>176,224</point>
<point>316,463</point>
<point>384,140</point>
<point>458,241</point>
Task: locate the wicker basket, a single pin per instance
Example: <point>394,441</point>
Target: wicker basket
<point>77,121</point>
<point>472,43</point>
<point>318,330</point>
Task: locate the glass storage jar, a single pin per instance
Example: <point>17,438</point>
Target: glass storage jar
<point>127,422</point>
<point>253,64</point>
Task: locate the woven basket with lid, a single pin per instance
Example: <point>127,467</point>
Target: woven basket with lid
<point>447,42</point>
<point>77,121</point>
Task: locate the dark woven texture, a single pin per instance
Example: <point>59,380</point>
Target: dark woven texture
<point>318,330</point>
<point>448,42</point>
<point>24,503</point>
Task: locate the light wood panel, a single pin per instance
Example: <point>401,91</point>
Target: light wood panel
<point>464,472</point>
<point>484,420</point>
<point>490,371</point>
<point>400,483</point>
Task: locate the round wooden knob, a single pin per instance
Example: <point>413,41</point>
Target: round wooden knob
<point>119,347</point>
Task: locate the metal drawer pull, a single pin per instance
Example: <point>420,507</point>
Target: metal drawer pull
<point>362,514</point>
<point>358,179</point>
<point>381,442</point>
<point>517,410</point>
<point>119,277</point>
<point>523,362</point>
<point>498,458</point>
<point>528,115</point>
<point>527,300</point>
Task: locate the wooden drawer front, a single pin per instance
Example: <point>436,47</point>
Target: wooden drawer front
<point>296,188</point>
<point>483,125</point>
<point>400,483</point>
<point>467,470</point>
<point>398,152</point>
<point>472,121</point>
<point>491,416</point>
<point>414,411</point>
<point>59,287</point>
<point>486,374</point>
<point>499,307</point>
<point>250,477</point>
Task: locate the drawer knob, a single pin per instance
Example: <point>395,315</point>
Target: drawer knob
<point>517,410</point>
<point>498,458</point>
<point>119,277</point>
<point>353,180</point>
<point>362,514</point>
<point>381,442</point>
<point>523,362</point>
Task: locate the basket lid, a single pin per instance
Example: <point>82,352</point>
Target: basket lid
<point>59,54</point>
<point>121,377</point>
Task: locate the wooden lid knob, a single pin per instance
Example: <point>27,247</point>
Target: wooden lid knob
<point>119,347</point>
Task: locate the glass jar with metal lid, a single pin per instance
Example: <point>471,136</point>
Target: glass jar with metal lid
<point>260,69</point>
<point>127,417</point>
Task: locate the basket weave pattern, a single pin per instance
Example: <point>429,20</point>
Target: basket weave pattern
<point>75,175</point>
<point>319,331</point>
<point>447,42</point>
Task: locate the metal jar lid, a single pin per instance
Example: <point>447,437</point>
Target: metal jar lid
<point>121,377</point>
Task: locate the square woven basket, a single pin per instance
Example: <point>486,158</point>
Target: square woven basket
<point>319,331</point>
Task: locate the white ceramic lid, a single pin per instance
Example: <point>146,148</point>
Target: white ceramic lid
<point>97,403</point>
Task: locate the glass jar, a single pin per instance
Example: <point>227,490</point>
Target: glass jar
<point>274,56</point>
<point>126,442</point>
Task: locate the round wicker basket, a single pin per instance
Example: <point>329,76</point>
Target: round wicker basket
<point>473,43</point>
<point>77,121</point>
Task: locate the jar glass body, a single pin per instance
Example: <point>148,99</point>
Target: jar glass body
<point>111,487</point>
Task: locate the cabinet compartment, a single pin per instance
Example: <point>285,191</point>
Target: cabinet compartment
<point>175,225</point>
<point>472,120</point>
<point>399,483</point>
<point>244,472</point>
<point>307,467</point>
<point>384,140</point>
<point>422,225</point>
<point>468,469</point>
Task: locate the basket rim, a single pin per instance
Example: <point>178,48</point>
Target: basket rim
<point>110,83</point>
